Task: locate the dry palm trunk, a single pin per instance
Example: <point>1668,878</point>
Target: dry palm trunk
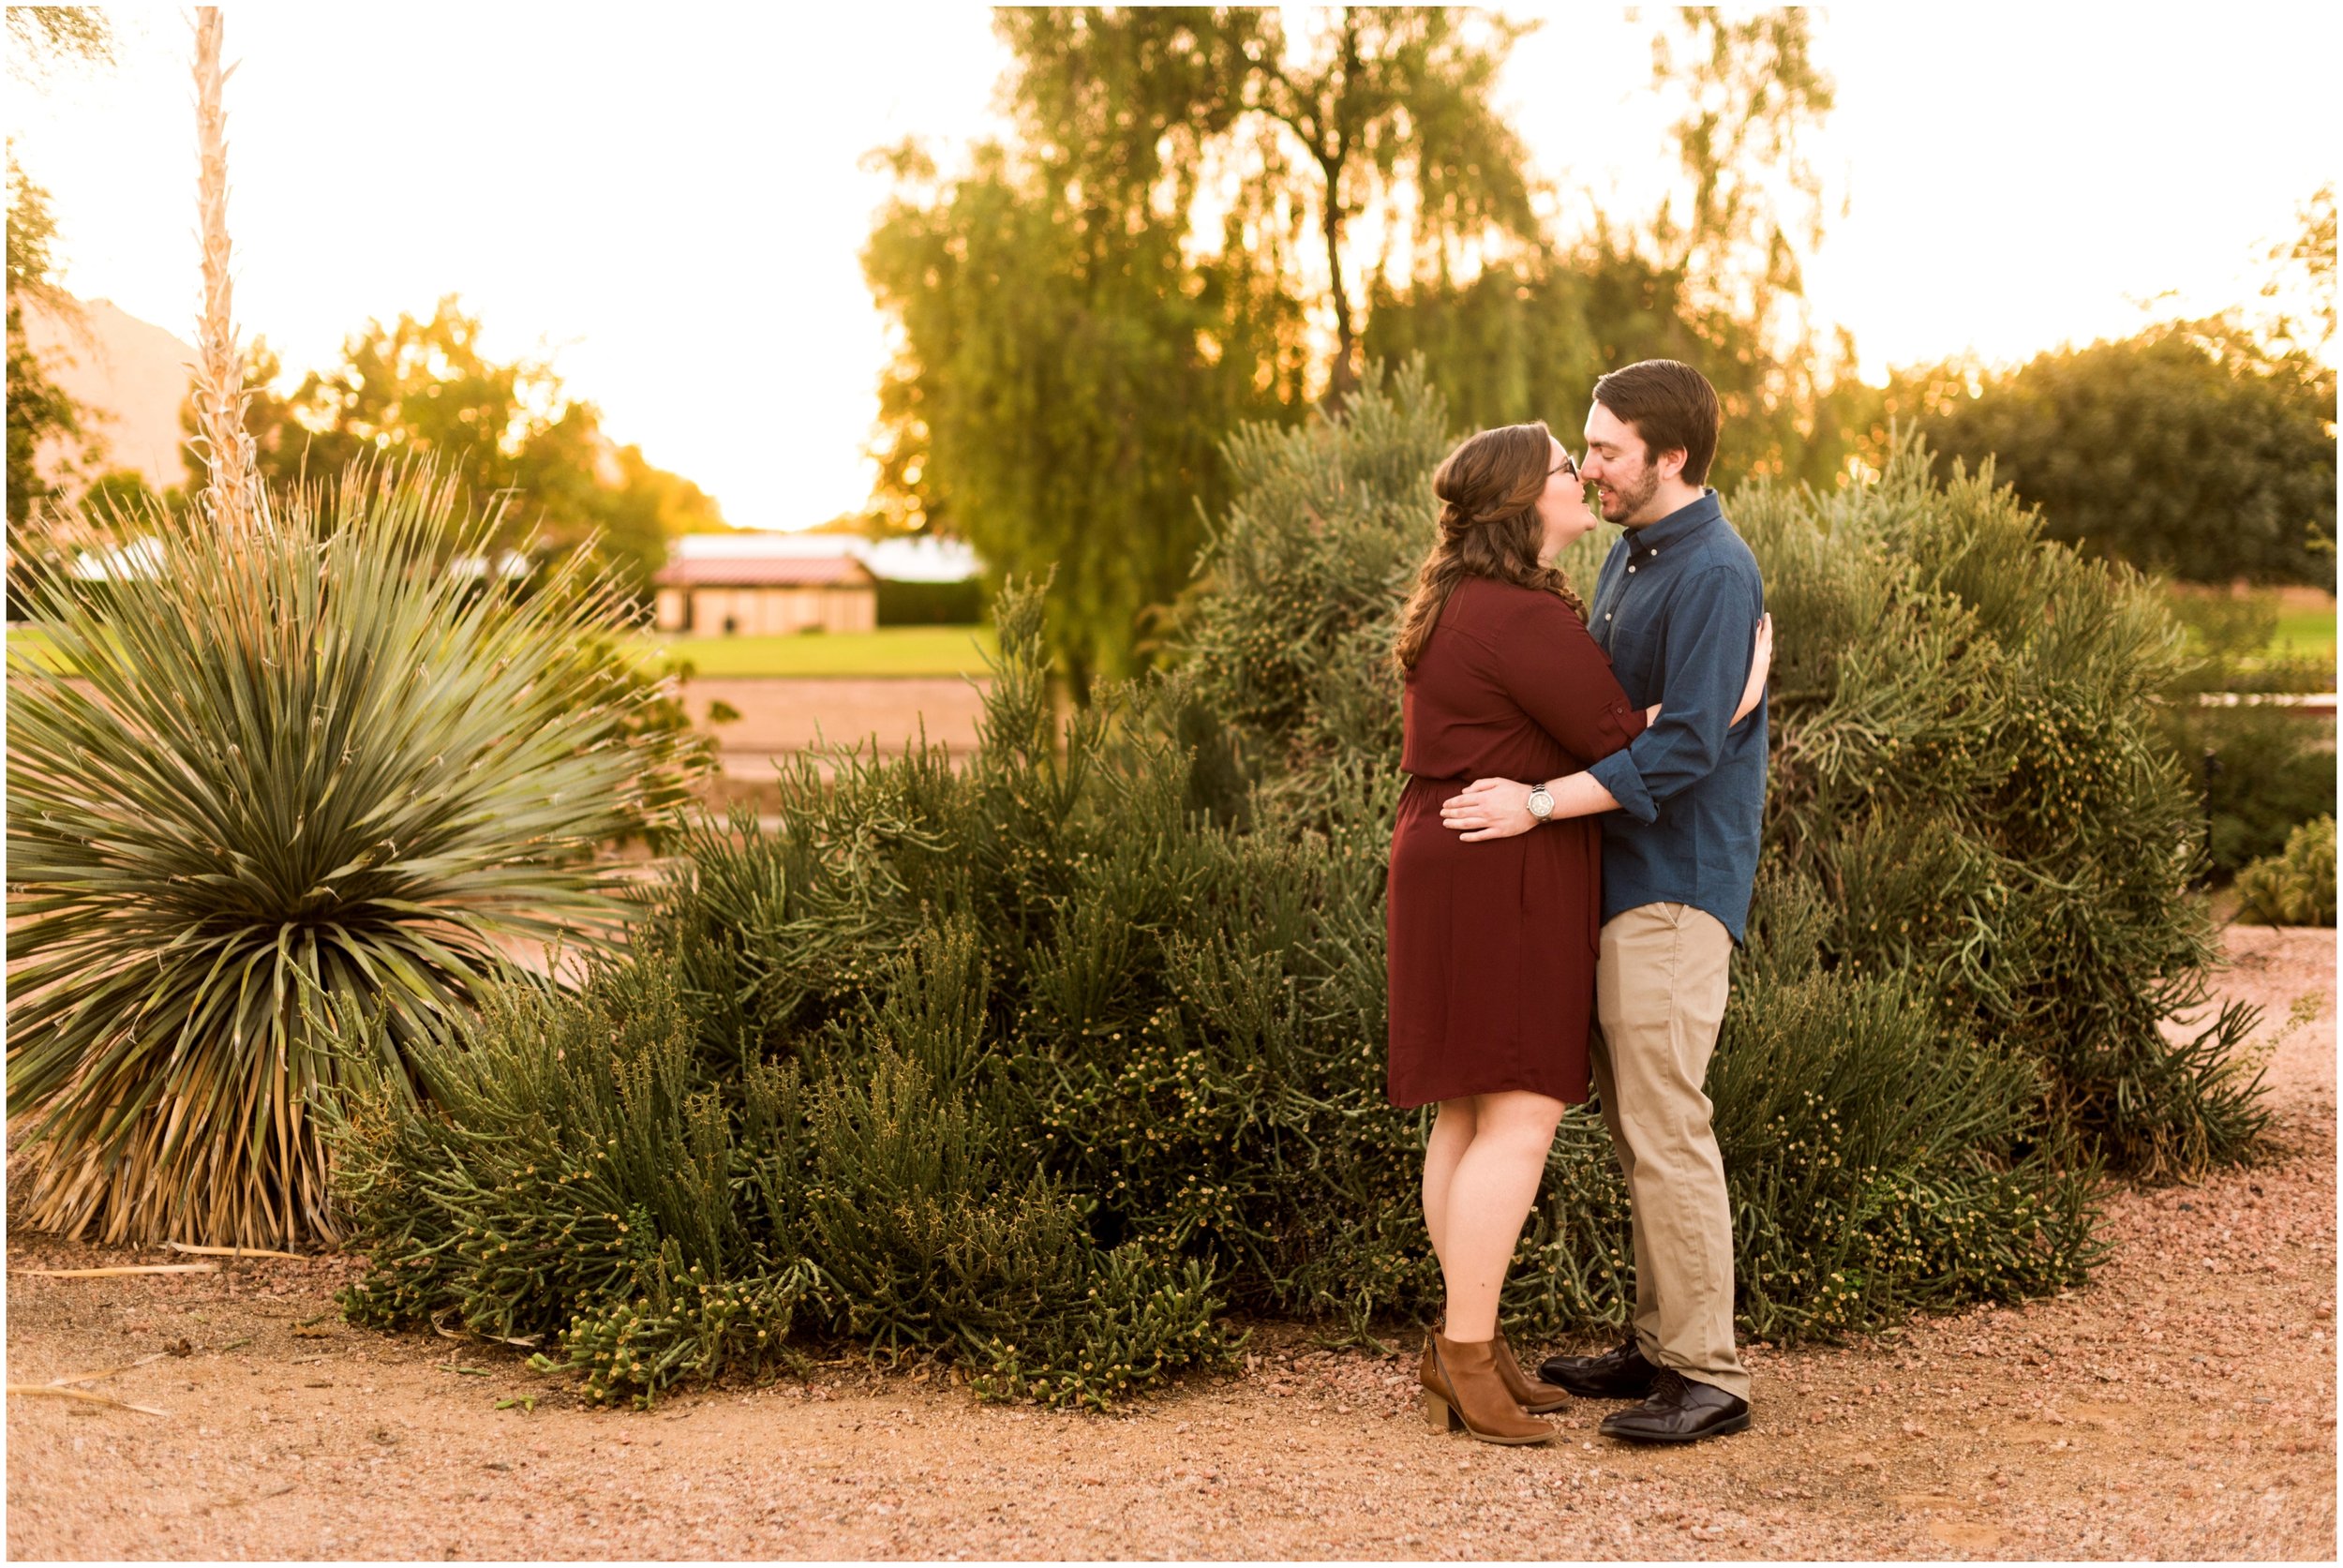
<point>269,832</point>
<point>231,497</point>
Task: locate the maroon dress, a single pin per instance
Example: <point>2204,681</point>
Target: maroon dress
<point>1492,945</point>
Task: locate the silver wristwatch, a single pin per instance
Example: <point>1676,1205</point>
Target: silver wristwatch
<point>1542,804</point>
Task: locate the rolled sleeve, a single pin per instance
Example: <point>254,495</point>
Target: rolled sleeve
<point>1617,774</point>
<point>1701,678</point>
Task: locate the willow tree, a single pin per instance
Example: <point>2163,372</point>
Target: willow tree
<point>1165,249</point>
<point>1713,274</point>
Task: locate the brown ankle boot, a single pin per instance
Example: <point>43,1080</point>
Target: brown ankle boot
<point>1530,1393</point>
<point>1462,1389</point>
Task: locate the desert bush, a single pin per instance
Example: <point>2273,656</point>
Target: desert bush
<point>2262,771</point>
<point>1046,1064</point>
<point>795,1098</point>
<point>1043,1067</point>
<point>1967,775</point>
<point>1288,619</point>
<point>577,1183</point>
<point>302,769</point>
<point>2295,887</point>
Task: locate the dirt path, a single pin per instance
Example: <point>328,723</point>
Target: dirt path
<point>2181,1407</point>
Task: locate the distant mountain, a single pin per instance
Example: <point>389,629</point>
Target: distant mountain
<point>132,375</point>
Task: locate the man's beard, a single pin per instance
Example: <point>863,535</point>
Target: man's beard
<point>1620,502</point>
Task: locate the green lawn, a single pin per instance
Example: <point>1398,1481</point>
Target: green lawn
<point>890,651</point>
<point>2304,633</point>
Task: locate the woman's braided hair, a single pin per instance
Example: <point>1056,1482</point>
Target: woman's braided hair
<point>1488,491</point>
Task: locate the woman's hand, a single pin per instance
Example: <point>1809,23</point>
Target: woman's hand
<point>1760,667</point>
<point>1488,809</point>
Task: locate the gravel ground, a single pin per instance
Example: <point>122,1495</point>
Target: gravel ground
<point>2183,1406</point>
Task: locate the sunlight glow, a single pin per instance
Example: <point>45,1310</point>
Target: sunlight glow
<point>671,207</point>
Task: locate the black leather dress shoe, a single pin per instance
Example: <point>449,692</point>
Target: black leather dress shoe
<point>1678,1410</point>
<point>1620,1374</point>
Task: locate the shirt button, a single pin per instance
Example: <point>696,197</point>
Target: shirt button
<point>1630,571</point>
<point>1606,617</point>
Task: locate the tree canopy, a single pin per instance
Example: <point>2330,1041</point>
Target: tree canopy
<point>41,39</point>
<point>2303,264</point>
<point>39,411</point>
<point>1714,276</point>
<point>2194,448</point>
<point>1070,364</point>
<point>507,432</point>
<point>1210,215</point>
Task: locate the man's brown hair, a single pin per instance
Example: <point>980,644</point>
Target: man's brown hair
<point>1671,405</point>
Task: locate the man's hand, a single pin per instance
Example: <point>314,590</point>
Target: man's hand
<point>1489,809</point>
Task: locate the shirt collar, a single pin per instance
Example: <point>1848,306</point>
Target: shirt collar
<point>1677,526</point>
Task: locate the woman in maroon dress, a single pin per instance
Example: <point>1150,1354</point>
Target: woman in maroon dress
<point>1492,943</point>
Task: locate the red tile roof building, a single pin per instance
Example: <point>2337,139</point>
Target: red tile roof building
<point>733,584</point>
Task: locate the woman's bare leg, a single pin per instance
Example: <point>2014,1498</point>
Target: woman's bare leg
<point>1451,1131</point>
<point>1489,1194</point>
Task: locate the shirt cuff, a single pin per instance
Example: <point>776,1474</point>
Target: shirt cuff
<point>1617,774</point>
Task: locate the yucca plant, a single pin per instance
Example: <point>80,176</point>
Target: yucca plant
<point>302,770</point>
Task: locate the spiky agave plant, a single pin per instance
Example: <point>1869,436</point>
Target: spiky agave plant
<point>301,770</point>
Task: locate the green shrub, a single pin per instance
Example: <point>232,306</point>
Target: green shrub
<point>2295,887</point>
<point>1042,1064</point>
<point>2262,771</point>
<point>1967,766</point>
<point>578,1181</point>
<point>1038,1066</point>
<point>1289,622</point>
<point>792,1103</point>
<point>296,770</point>
<point>912,604</point>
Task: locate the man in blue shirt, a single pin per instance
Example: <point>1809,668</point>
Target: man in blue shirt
<point>1679,608</point>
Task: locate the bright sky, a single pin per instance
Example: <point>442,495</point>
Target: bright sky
<point>673,205</point>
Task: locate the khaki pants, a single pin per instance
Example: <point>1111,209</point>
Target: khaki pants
<point>1660,984</point>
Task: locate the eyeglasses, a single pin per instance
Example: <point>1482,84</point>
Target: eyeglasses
<point>1567,466</point>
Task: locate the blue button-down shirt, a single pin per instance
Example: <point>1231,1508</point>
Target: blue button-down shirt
<point>1677,609</point>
